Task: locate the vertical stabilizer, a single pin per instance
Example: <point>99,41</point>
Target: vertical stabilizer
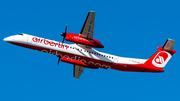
<point>163,55</point>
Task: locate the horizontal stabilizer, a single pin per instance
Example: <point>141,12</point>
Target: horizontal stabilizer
<point>169,45</point>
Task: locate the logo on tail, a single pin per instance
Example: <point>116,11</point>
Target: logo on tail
<point>161,59</point>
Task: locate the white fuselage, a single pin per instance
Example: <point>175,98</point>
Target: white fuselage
<point>73,49</point>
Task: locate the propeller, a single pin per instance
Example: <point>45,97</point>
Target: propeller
<point>59,60</point>
<point>64,36</point>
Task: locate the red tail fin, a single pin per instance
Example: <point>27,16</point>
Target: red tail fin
<point>162,56</point>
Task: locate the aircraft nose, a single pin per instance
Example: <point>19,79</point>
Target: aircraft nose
<point>7,39</point>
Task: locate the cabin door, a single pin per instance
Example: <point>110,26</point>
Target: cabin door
<point>115,59</point>
<point>29,39</point>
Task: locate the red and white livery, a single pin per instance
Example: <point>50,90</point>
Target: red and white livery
<point>83,55</point>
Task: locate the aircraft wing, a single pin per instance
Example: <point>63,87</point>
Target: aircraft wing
<point>77,71</point>
<point>87,30</point>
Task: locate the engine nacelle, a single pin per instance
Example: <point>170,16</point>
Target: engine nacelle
<point>80,40</point>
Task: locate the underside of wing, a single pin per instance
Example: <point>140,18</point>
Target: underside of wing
<point>88,28</point>
<point>77,71</point>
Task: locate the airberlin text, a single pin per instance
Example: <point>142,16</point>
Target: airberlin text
<point>51,43</point>
<point>59,45</point>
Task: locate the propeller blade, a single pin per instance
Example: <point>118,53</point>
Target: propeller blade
<point>63,40</point>
<point>64,34</point>
<point>59,60</point>
<point>65,29</point>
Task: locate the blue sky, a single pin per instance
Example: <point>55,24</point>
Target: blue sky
<point>126,28</point>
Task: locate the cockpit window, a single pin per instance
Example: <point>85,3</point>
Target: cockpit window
<point>20,34</point>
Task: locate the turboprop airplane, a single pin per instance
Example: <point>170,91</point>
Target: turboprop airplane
<point>83,55</point>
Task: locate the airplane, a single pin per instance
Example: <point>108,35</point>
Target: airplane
<point>83,55</point>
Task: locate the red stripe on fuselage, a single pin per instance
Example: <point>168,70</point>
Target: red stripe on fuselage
<point>95,62</point>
